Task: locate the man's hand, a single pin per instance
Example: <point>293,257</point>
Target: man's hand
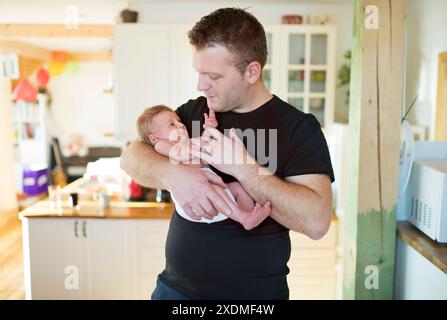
<point>227,154</point>
<point>192,189</point>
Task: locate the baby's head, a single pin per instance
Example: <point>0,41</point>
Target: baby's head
<point>160,123</point>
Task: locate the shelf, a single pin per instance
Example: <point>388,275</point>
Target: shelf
<point>435,252</point>
<point>26,121</point>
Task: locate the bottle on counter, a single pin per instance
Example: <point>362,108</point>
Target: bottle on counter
<point>162,196</point>
<point>73,201</point>
<point>135,191</point>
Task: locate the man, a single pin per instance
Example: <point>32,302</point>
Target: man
<point>222,260</point>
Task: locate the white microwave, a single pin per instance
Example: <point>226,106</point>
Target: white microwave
<point>427,198</point>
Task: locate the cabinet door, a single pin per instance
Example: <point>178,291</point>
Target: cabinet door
<point>307,69</point>
<point>53,259</point>
<point>151,253</point>
<point>312,266</point>
<point>109,253</point>
<point>142,64</point>
<point>271,72</point>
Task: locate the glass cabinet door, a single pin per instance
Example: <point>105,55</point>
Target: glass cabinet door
<point>306,72</point>
<point>267,71</point>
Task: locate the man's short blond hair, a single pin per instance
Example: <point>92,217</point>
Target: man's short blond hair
<point>145,121</point>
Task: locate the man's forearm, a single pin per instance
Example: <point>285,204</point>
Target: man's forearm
<point>145,165</point>
<point>296,207</point>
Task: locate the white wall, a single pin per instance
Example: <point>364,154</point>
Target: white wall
<point>8,200</point>
<point>426,38</point>
<point>79,105</point>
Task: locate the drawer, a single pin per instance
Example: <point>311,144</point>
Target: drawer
<point>153,227</point>
<point>146,284</point>
<point>151,240</point>
<point>309,288</point>
<point>152,234</point>
<point>312,262</point>
<point>151,258</point>
<point>329,240</point>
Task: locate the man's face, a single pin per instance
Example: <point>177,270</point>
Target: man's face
<point>219,80</point>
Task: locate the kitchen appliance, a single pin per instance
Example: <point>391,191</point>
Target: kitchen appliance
<point>428,198</point>
<point>424,200</point>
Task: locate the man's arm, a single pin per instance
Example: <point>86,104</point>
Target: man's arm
<point>141,161</point>
<point>301,203</point>
<point>190,186</point>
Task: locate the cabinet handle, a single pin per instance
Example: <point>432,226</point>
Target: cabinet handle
<point>76,229</point>
<point>84,229</point>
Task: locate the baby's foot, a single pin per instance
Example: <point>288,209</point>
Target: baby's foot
<point>257,215</point>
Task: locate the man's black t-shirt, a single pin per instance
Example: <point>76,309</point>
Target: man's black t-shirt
<point>222,260</point>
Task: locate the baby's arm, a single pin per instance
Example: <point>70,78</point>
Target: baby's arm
<point>243,199</point>
<point>210,120</point>
<point>176,151</point>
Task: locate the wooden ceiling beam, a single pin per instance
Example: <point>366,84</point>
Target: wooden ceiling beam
<point>56,30</point>
<point>25,50</point>
<point>33,52</point>
<point>92,56</point>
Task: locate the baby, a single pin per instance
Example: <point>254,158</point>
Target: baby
<point>161,127</point>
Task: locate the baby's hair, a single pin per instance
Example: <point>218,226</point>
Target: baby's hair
<point>144,122</point>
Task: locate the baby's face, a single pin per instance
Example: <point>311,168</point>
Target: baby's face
<point>169,127</point>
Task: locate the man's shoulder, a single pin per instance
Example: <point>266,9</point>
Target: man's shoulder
<point>193,106</point>
<point>293,117</point>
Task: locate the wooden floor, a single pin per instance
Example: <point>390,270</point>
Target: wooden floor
<point>11,260</point>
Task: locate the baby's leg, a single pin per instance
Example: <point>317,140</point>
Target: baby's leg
<point>249,219</point>
<point>243,199</point>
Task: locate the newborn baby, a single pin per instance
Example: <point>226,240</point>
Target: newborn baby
<point>161,127</point>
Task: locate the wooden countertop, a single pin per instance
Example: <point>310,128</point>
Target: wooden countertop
<point>92,209</point>
<point>432,250</point>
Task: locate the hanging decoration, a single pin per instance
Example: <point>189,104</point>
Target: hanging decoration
<point>72,67</point>
<point>42,77</point>
<point>25,91</point>
<point>62,61</point>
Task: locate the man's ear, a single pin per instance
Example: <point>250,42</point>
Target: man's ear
<point>253,72</point>
<point>154,138</point>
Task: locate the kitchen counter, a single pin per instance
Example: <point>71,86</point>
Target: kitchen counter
<point>435,252</point>
<point>88,208</point>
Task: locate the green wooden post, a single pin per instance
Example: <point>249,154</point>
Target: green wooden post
<point>375,111</point>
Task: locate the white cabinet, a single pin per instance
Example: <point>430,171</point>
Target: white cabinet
<point>301,67</point>
<point>152,65</point>
<point>109,253</point>
<point>313,266</point>
<point>69,258</point>
<point>151,254</point>
<point>51,247</point>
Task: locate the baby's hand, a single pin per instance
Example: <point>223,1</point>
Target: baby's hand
<point>180,152</point>
<point>210,120</point>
